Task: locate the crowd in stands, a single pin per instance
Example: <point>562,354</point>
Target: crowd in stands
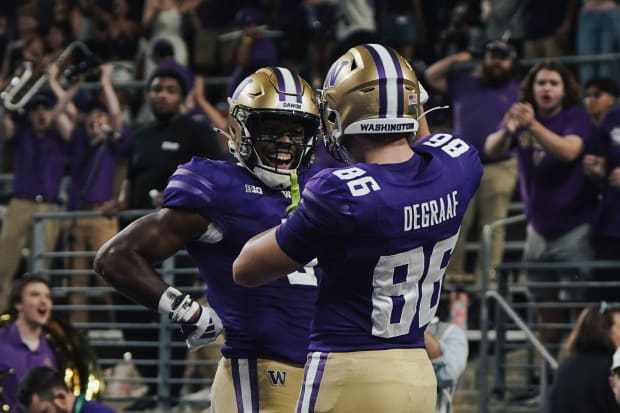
<point>159,73</point>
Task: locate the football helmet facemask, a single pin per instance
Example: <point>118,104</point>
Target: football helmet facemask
<point>371,89</point>
<point>268,98</point>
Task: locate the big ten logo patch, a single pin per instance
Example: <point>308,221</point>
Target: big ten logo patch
<point>276,377</point>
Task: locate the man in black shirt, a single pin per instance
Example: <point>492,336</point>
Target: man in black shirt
<point>159,146</point>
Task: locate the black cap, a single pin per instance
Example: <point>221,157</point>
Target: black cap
<point>40,99</point>
<point>604,84</point>
<point>162,48</point>
<point>95,104</point>
<point>248,16</point>
<point>500,48</point>
<point>170,68</point>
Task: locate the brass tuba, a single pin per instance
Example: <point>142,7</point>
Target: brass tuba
<point>77,59</point>
<point>76,359</point>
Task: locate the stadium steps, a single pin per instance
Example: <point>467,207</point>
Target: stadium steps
<point>466,397</point>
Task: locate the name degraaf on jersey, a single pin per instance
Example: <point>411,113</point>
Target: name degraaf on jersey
<point>381,271</point>
<point>272,321</point>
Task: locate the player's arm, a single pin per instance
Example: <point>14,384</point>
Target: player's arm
<point>262,260</point>
<point>127,260</point>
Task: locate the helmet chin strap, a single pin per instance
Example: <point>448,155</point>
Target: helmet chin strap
<point>271,179</point>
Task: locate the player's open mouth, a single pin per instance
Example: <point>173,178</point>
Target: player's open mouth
<point>42,310</point>
<point>280,160</point>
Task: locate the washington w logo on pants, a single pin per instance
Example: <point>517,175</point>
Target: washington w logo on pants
<point>278,378</point>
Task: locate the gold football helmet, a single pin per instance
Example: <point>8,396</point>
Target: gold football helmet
<point>273,95</point>
<point>371,89</point>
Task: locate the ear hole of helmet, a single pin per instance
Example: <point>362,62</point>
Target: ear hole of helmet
<point>331,117</point>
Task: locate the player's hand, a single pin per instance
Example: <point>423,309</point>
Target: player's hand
<point>204,331</point>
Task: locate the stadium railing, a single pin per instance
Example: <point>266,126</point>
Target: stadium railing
<point>106,337</point>
<point>515,310</point>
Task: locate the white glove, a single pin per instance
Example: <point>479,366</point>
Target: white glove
<point>182,308</point>
<point>203,331</point>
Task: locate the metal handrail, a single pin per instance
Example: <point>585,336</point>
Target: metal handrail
<point>531,337</point>
<point>487,230</point>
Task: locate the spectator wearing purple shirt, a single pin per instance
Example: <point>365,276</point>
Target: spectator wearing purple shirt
<point>253,50</point>
<point>97,148</point>
<point>606,165</point>
<point>480,98</point>
<point>39,154</point>
<point>43,390</point>
<point>550,133</point>
<point>22,342</point>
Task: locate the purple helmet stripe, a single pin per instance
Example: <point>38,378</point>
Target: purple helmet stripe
<point>382,80</point>
<point>281,84</point>
<point>400,82</point>
<point>297,87</point>
<point>240,87</point>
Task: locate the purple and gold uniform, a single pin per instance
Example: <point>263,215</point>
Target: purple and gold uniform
<point>267,328</point>
<point>381,273</point>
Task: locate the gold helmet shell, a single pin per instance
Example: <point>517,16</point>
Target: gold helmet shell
<point>271,91</point>
<point>371,89</point>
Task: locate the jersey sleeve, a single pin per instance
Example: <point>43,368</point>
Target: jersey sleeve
<point>192,188</point>
<point>456,152</point>
<point>309,231</point>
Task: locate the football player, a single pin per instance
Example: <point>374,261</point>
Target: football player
<point>212,208</point>
<point>382,230</point>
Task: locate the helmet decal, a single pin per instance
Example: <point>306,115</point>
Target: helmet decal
<point>330,79</point>
<point>241,86</point>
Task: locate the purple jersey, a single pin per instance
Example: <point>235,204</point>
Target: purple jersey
<point>272,321</point>
<point>479,108</point>
<point>557,195</point>
<point>383,235</point>
<point>609,222</point>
